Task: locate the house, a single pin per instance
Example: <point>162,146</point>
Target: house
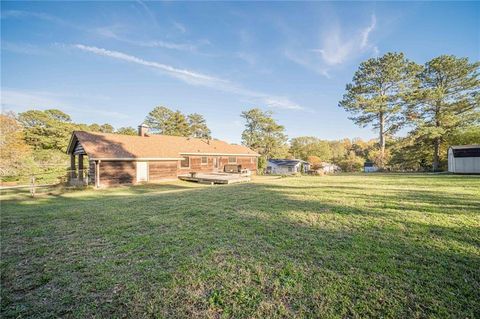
<point>328,168</point>
<point>464,159</point>
<point>369,167</point>
<point>286,166</point>
<point>115,159</point>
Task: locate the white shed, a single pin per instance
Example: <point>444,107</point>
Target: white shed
<point>464,159</point>
<point>287,166</point>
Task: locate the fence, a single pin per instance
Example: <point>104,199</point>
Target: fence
<point>44,182</point>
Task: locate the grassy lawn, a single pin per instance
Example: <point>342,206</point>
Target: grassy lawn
<point>376,245</point>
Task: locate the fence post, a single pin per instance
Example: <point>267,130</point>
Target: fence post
<point>32,185</point>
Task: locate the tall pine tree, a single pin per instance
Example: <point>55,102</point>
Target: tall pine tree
<point>376,95</point>
<point>448,99</point>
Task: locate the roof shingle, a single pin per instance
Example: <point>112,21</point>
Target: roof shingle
<point>117,146</point>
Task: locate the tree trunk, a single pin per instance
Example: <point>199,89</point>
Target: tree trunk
<point>381,120</point>
<point>436,154</point>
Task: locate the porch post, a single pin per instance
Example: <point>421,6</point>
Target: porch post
<point>72,166</point>
<point>97,174</point>
<point>80,167</point>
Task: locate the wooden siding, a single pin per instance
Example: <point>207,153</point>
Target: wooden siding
<point>117,172</point>
<point>91,172</point>
<point>162,170</point>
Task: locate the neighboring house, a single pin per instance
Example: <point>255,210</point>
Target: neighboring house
<point>286,166</point>
<point>464,159</point>
<point>369,167</point>
<point>329,168</point>
<point>123,159</point>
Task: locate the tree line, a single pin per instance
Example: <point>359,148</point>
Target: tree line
<point>437,103</point>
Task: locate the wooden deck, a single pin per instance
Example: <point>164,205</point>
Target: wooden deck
<point>215,178</point>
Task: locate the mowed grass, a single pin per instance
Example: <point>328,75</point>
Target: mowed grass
<point>378,245</point>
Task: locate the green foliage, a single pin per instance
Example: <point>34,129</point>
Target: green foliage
<point>127,131</point>
<point>446,100</point>
<point>49,129</point>
<point>263,134</point>
<point>261,164</point>
<point>351,163</point>
<point>305,146</point>
<point>163,120</point>
<point>15,155</point>
<point>198,126</point>
<point>378,93</point>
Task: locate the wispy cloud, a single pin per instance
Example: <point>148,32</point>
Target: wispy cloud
<point>112,32</point>
<point>179,26</point>
<point>186,75</point>
<point>366,32</point>
<point>336,47</point>
<point>197,78</point>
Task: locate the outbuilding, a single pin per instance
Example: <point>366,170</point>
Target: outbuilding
<point>114,159</point>
<point>369,167</point>
<point>464,159</point>
<point>287,166</point>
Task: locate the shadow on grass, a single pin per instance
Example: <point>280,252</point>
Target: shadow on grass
<point>248,250</point>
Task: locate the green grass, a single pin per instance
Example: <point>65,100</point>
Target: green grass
<point>379,245</point>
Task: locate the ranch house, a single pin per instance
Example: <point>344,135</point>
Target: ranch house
<point>115,159</point>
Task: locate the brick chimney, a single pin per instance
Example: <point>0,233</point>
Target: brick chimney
<point>143,130</point>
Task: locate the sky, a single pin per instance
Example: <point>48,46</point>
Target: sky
<point>113,62</point>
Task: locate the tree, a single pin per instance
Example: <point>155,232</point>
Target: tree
<point>198,126</point>
<point>162,120</point>
<point>15,154</point>
<point>448,98</point>
<point>127,131</point>
<point>378,93</point>
<point>159,120</point>
<point>49,129</point>
<point>263,134</point>
<point>351,163</point>
<point>304,146</point>
<point>106,128</point>
<point>315,161</point>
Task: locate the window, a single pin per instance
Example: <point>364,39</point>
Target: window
<point>204,160</point>
<point>290,169</point>
<point>252,160</point>
<point>185,163</point>
<point>232,160</point>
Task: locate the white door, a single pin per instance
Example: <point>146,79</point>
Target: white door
<point>142,172</point>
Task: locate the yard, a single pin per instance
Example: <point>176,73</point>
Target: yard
<point>379,245</point>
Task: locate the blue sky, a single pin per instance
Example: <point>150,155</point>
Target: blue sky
<point>114,61</point>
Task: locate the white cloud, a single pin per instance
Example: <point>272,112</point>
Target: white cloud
<point>282,103</point>
<point>186,75</point>
<point>196,78</point>
<point>180,27</point>
<point>112,32</point>
<point>337,48</point>
<point>366,32</point>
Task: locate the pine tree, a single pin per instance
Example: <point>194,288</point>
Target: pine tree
<point>448,98</point>
<point>378,92</point>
